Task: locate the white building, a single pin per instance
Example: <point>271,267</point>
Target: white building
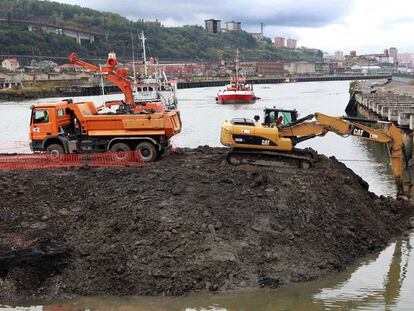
<point>370,69</point>
<point>230,26</point>
<point>393,52</point>
<point>291,43</point>
<point>300,68</point>
<point>339,55</point>
<point>383,59</point>
<point>11,64</point>
<point>213,25</point>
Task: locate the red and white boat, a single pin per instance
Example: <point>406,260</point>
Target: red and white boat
<point>238,91</point>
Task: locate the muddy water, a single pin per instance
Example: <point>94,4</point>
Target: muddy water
<point>381,282</point>
<point>384,281</point>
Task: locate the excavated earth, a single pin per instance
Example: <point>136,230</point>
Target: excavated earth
<point>186,223</point>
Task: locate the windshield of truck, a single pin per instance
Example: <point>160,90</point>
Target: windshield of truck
<point>41,116</point>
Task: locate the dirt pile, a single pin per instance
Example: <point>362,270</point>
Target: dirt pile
<point>189,222</point>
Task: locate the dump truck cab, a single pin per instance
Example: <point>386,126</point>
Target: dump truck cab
<point>46,123</point>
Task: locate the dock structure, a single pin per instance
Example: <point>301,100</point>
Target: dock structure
<point>384,100</point>
<point>277,80</point>
<point>388,101</point>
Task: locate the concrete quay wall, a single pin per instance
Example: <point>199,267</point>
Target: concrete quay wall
<point>390,102</point>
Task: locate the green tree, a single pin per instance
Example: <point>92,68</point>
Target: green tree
<point>188,42</point>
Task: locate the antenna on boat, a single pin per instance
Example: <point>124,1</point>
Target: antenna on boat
<point>144,55</point>
<point>133,63</point>
<point>101,78</point>
<point>133,58</point>
<point>237,69</point>
<point>102,85</point>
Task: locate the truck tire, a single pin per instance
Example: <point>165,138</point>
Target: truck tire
<point>120,151</point>
<point>148,151</point>
<point>54,151</point>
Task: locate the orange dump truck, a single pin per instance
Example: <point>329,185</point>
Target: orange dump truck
<point>68,127</point>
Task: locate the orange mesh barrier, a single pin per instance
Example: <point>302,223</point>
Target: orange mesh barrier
<point>44,160</point>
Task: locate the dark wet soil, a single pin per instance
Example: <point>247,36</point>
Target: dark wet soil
<point>186,223</point>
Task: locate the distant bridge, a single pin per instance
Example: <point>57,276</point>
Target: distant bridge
<point>77,33</point>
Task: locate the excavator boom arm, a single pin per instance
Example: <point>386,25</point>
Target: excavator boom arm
<point>391,136</point>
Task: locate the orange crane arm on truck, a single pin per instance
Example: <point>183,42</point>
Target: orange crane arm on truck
<point>118,76</point>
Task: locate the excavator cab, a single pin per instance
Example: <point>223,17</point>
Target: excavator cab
<point>271,115</point>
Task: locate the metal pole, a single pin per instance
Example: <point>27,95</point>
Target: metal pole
<point>144,53</point>
<point>237,70</point>
<point>133,58</point>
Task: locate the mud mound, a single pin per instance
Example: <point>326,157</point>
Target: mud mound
<point>189,222</point>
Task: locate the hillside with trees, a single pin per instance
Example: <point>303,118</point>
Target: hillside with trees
<point>168,43</point>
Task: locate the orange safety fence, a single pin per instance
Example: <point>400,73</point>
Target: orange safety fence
<point>44,160</point>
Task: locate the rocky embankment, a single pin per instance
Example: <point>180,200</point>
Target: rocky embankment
<point>24,93</point>
<point>187,223</point>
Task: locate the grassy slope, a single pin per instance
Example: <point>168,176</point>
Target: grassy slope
<point>188,42</point>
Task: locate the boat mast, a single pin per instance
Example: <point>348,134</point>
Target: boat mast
<point>101,76</point>
<point>102,83</point>
<point>237,69</point>
<point>133,63</point>
<point>144,55</point>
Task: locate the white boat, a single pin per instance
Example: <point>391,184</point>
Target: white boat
<point>156,88</point>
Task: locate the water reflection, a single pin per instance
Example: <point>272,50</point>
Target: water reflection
<point>380,282</point>
<point>372,286</point>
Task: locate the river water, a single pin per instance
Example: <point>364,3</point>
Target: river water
<point>383,281</point>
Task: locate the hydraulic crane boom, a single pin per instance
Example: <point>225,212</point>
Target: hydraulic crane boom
<point>118,76</point>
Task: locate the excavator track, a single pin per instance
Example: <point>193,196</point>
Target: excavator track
<point>303,158</point>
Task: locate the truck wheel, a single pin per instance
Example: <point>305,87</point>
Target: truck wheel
<point>120,151</point>
<point>148,151</point>
<point>54,151</point>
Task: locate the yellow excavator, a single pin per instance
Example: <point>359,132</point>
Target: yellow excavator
<point>255,142</point>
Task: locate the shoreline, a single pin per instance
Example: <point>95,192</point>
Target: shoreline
<point>38,92</point>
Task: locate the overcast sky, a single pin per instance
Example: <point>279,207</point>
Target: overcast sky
<point>367,26</point>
